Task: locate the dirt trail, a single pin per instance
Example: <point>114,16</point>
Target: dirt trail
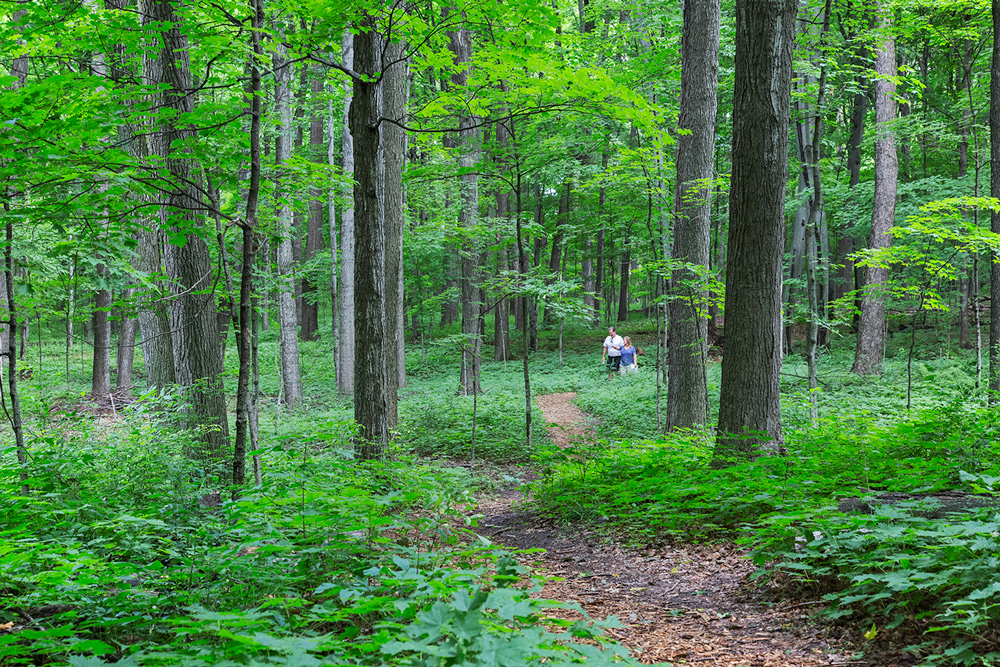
<point>683,604</point>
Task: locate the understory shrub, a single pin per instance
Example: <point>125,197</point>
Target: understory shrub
<point>329,561</point>
<point>894,568</point>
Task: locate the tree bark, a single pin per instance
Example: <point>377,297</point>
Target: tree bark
<point>245,342</point>
<point>556,254</point>
<point>868,353</point>
<point>291,378</point>
<point>687,390</point>
<point>602,197</point>
<point>395,73</point>
<point>468,218</point>
<point>19,70</point>
<point>100,385</point>
<point>331,212</point>
<point>197,362</point>
<point>750,407</point>
<point>623,285</point>
<point>994,368</point>
<point>314,226</point>
<point>126,347</point>
<point>154,322</point>
<point>371,403</point>
<point>851,278</point>
<point>345,378</point>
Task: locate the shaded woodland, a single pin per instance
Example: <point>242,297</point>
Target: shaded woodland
<point>281,283</point>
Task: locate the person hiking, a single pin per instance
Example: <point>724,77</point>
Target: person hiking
<point>630,359</point>
<point>612,352</point>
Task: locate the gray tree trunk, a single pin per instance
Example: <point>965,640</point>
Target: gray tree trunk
<point>197,362</point>
<point>19,70</point>
<point>245,339</point>
<point>468,219</point>
<point>687,390</point>
<point>750,407</point>
<point>100,385</point>
<point>371,401</point>
<point>394,92</point>
<point>345,379</point>
<point>100,379</point>
<point>851,277</point>
<point>994,369</point>
<point>314,227</point>
<point>331,212</point>
<point>126,347</point>
<point>291,378</point>
<point>154,322</point>
<point>868,353</point>
<point>299,219</point>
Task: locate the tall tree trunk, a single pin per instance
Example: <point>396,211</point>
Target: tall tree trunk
<point>244,331</point>
<point>154,322</point>
<point>371,402</point>
<point>19,70</point>
<point>314,226</point>
<point>623,285</point>
<point>396,72</point>
<point>11,321</point>
<point>850,275</point>
<point>602,197</point>
<point>331,212</point>
<point>556,255</point>
<point>868,353</point>
<point>809,139</point>
<point>749,406</point>
<point>797,255</point>
<point>100,386</point>
<point>540,243</point>
<point>687,390</point>
<point>994,369</point>
<point>299,220</point>
<point>197,362</point>
<point>126,347</point>
<point>345,379</point>
<point>468,220</point>
<point>291,378</point>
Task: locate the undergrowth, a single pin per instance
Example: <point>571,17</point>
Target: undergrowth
<point>125,553</point>
<point>927,582</point>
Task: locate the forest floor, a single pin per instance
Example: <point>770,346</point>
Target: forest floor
<point>677,603</point>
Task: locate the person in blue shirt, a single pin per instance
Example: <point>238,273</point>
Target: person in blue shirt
<point>630,361</point>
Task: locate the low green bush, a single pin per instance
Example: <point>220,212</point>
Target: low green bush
<point>329,561</point>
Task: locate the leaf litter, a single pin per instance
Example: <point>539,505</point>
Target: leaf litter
<point>684,604</point>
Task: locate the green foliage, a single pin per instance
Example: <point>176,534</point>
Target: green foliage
<point>893,568</point>
<point>125,554</point>
<point>435,421</point>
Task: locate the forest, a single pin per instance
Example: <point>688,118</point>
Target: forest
<point>301,319</point>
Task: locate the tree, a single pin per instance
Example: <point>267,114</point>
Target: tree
<point>868,353</point>
<point>394,96</point>
<point>371,396</point>
<point>749,407</point>
<point>345,376</point>
<point>469,146</point>
<point>291,377</point>
<point>994,370</point>
<point>687,392</point>
<point>197,357</point>
<point>314,227</point>
<point>244,331</point>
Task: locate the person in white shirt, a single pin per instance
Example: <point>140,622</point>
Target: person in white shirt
<point>612,352</point>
